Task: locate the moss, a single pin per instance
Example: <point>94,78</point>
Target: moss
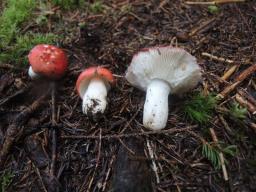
<point>13,44</point>
<point>23,44</point>
<point>15,13</point>
<point>68,4</point>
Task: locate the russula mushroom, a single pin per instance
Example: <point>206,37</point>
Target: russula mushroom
<point>92,86</point>
<point>161,71</point>
<point>47,61</point>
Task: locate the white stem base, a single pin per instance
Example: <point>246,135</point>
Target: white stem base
<point>155,112</point>
<point>32,74</point>
<point>95,97</point>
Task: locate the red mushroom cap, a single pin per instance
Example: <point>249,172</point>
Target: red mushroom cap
<point>48,61</point>
<point>93,72</point>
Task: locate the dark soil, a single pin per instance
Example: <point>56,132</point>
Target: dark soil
<point>110,39</point>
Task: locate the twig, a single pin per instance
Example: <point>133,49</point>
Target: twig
<point>97,162</point>
<point>229,72</point>
<point>203,25</point>
<point>240,78</point>
<point>154,167</point>
<point>108,173</point>
<point>225,124</point>
<point>213,57</point>
<point>53,122</point>
<point>40,178</point>
<point>223,166</point>
<point>242,101</point>
<point>246,73</point>
<point>117,136</point>
<point>213,2</point>
<point>13,129</point>
<point>247,96</point>
<point>19,92</point>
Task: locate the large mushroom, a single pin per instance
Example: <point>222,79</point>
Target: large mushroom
<point>47,61</point>
<point>161,71</point>
<point>92,86</point>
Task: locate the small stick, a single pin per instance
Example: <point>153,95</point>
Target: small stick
<point>242,101</point>
<point>223,166</point>
<point>213,57</point>
<point>154,167</point>
<point>213,2</point>
<point>19,92</point>
<point>97,161</point>
<point>229,72</point>
<point>225,124</point>
<point>117,136</point>
<point>40,178</point>
<point>240,78</point>
<point>246,73</point>
<point>53,122</point>
<point>227,90</point>
<point>194,31</point>
<point>13,129</point>
<point>108,173</point>
<point>247,96</point>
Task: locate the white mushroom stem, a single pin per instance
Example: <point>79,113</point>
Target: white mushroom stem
<point>95,97</point>
<point>155,113</point>
<point>32,74</point>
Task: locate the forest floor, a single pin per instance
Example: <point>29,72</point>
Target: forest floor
<point>51,145</point>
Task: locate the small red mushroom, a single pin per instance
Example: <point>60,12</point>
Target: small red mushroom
<point>92,86</point>
<point>48,61</point>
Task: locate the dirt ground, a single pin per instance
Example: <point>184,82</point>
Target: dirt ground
<point>77,153</point>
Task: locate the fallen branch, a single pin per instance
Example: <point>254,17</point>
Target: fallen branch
<point>14,128</point>
<point>117,136</point>
<point>18,93</point>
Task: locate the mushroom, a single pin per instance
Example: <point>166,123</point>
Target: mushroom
<point>161,71</point>
<point>92,86</point>
<point>47,61</point>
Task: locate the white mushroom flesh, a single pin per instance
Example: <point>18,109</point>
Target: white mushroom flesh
<point>32,74</point>
<point>178,72</point>
<point>95,97</point>
<point>155,112</point>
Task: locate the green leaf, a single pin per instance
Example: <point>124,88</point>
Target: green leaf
<point>213,9</point>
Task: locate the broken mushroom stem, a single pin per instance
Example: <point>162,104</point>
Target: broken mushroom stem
<point>156,104</point>
<point>95,97</point>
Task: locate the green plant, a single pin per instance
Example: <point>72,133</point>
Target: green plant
<point>96,7</point>
<point>15,53</point>
<point>5,180</point>
<point>213,9</point>
<point>68,4</point>
<point>211,151</point>
<point>212,154</point>
<point>237,111</point>
<point>200,108</point>
<point>15,13</point>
